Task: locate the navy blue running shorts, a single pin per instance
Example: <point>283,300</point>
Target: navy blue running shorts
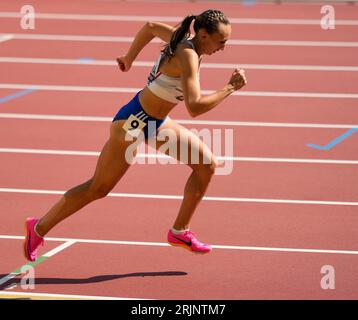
<point>138,118</point>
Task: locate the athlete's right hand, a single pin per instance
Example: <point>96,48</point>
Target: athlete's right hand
<point>124,63</point>
<point>238,79</point>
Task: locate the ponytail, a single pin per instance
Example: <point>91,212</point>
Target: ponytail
<point>182,33</point>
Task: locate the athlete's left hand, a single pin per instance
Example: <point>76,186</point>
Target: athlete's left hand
<point>238,79</point>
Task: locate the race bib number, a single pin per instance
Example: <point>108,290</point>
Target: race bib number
<point>133,126</point>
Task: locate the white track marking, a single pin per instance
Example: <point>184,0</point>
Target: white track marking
<point>135,90</point>
<point>233,42</point>
<point>183,121</point>
<point>49,254</point>
<point>48,296</point>
<point>58,249</point>
<point>162,244</point>
<point>8,277</point>
<point>163,156</point>
<point>203,65</point>
<point>177,197</point>
<point>173,19</point>
<point>5,38</point>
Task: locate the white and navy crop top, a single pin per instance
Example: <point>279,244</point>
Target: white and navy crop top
<point>163,86</point>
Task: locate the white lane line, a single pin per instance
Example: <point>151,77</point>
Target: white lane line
<point>181,121</point>
<point>203,65</point>
<point>6,38</point>
<point>58,249</point>
<point>162,156</point>
<point>47,296</point>
<point>49,254</point>
<point>174,19</point>
<point>347,44</point>
<point>68,88</point>
<point>50,152</point>
<point>135,90</point>
<point>9,277</point>
<point>162,244</point>
<point>234,42</point>
<point>177,197</point>
<point>267,124</point>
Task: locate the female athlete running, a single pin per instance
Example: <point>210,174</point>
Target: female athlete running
<point>174,78</point>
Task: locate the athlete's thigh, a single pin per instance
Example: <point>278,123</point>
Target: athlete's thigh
<point>180,143</point>
<point>115,158</point>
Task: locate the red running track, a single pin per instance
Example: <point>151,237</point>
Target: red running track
<point>257,244</point>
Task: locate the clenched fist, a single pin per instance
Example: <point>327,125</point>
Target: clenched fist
<point>124,63</point>
<point>238,79</point>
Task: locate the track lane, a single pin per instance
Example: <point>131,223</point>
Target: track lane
<point>242,224</point>
<point>242,32</point>
<point>110,76</point>
<point>232,54</point>
<point>240,275</point>
<point>268,10</point>
<point>234,108</point>
<point>247,141</point>
<point>248,180</point>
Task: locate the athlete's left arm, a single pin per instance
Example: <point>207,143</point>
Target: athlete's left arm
<point>149,31</point>
<point>195,102</point>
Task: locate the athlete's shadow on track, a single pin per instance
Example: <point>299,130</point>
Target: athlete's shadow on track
<point>96,279</point>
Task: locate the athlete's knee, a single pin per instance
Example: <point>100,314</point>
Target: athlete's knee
<point>98,191</point>
<point>207,168</point>
<point>210,169</point>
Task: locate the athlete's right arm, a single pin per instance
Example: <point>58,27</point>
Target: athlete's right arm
<point>142,38</point>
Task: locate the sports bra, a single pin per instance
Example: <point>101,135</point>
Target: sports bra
<point>163,86</point>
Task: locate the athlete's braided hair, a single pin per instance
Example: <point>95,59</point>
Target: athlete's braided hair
<point>208,20</point>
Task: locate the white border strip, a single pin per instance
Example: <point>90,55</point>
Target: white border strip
<point>163,156</point>
<point>135,90</point>
<point>181,121</point>
<point>5,38</point>
<point>58,249</point>
<point>162,244</point>
<point>176,197</point>
<point>61,296</point>
<point>173,19</point>
<point>234,42</point>
<point>8,277</point>
<point>203,65</point>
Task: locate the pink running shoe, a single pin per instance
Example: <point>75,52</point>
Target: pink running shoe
<point>32,240</point>
<point>188,241</point>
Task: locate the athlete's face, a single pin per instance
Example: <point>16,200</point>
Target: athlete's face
<point>216,41</point>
